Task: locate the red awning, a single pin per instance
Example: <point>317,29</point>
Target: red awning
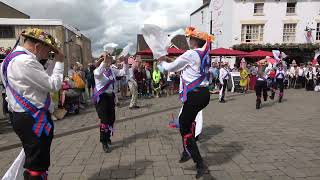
<point>227,52</point>
<point>171,52</point>
<point>259,53</point>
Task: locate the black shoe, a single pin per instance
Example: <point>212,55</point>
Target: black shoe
<point>184,157</point>
<point>134,107</point>
<point>280,99</point>
<point>201,170</point>
<point>109,142</point>
<point>272,97</point>
<point>258,104</point>
<point>222,101</point>
<point>106,148</point>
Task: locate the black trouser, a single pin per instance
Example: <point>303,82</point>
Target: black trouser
<point>310,85</point>
<point>197,100</point>
<point>106,113</point>
<point>223,88</point>
<point>279,84</point>
<point>4,104</point>
<point>293,81</point>
<point>37,149</point>
<point>261,86</point>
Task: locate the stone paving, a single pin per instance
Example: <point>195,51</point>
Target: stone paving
<point>280,141</point>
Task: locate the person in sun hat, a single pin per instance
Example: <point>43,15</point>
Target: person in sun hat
<point>194,90</point>
<point>28,88</point>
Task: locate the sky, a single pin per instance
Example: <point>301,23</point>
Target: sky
<point>111,21</point>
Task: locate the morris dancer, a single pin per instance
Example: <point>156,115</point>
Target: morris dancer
<point>194,91</point>
<point>223,77</point>
<point>261,87</point>
<point>104,97</point>
<point>28,86</point>
<point>280,77</point>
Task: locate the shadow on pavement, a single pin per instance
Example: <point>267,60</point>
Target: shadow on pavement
<point>5,127</point>
<point>271,103</point>
<point>209,131</point>
<point>133,170</point>
<point>132,139</point>
<point>221,155</point>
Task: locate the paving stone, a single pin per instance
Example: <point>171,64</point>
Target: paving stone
<point>280,141</point>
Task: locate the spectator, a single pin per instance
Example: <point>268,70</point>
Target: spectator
<point>156,76</point>
<point>253,71</point>
<point>123,86</point>
<point>90,78</point>
<point>244,75</point>
<point>170,82</point>
<point>148,81</point>
<point>133,88</point>
<point>138,74</point>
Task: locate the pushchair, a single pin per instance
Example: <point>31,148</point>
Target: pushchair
<point>70,97</point>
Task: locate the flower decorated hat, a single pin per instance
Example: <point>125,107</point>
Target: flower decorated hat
<point>42,36</point>
<point>192,32</point>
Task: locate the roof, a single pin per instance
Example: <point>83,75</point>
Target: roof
<point>38,22</point>
<point>4,4</point>
<point>200,8</point>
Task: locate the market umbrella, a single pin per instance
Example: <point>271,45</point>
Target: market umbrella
<point>259,53</point>
<point>271,60</point>
<point>227,52</point>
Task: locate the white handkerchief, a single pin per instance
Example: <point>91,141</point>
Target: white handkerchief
<point>158,40</point>
<point>109,48</point>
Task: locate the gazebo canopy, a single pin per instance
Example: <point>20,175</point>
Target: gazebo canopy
<point>259,54</point>
<point>227,52</point>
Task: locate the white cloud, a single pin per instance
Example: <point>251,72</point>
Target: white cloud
<point>106,21</point>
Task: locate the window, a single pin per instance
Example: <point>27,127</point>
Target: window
<point>7,32</point>
<point>289,33</point>
<point>252,33</point>
<point>291,8</point>
<point>202,17</point>
<point>258,8</point>
<point>318,32</point>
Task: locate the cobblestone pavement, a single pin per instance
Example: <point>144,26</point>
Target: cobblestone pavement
<point>280,141</point>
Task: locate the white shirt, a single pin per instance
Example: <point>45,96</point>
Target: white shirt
<point>101,80</point>
<point>300,72</point>
<point>223,75</point>
<point>148,74</point>
<point>130,75</point>
<point>170,74</point>
<point>189,63</point>
<point>309,74</point>
<point>280,73</point>
<point>27,76</point>
<point>293,71</point>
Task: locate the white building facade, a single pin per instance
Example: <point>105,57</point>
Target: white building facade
<point>259,21</point>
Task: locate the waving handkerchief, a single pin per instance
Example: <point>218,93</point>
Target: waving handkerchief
<point>109,48</point>
<point>126,50</point>
<point>158,40</point>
